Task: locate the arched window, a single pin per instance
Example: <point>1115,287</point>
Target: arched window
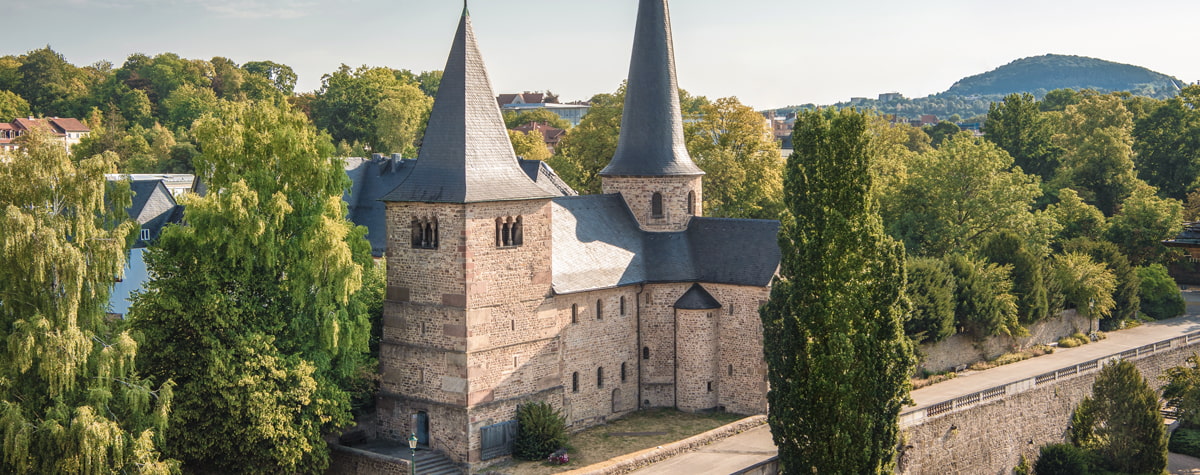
<point>574,313</point>
<point>656,205</point>
<point>691,203</point>
<point>575,382</point>
<point>599,309</point>
<point>600,377</point>
<point>645,352</point>
<point>509,232</point>
<point>425,233</point>
<point>622,305</point>
<point>499,232</point>
<point>622,372</point>
<point>518,233</point>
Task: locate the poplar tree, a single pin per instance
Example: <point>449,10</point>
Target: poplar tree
<point>71,400</point>
<point>253,310</point>
<point>837,357</point>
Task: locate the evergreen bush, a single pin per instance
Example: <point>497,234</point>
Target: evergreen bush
<point>1159,293</point>
<point>541,430</point>
<point>1061,459</point>
<point>1185,441</point>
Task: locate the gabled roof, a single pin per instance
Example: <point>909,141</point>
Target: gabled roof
<point>696,298</point>
<point>153,207</point>
<point>68,124</point>
<point>651,141</point>
<point>466,155</point>
<point>598,245</point>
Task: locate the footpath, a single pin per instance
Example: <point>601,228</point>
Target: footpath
<point>755,446</point>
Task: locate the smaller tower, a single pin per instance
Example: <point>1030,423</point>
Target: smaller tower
<point>651,168</point>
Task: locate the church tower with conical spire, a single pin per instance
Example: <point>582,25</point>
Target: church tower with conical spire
<point>469,259</point>
<point>651,169</point>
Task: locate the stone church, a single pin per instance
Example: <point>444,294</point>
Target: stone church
<point>503,291</point>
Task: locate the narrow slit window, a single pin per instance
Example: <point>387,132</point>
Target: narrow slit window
<point>575,382</point>
<point>600,377</point>
<point>599,309</point>
<point>622,372</point>
<point>645,352</point>
<point>656,205</point>
<point>574,313</point>
<point>691,204</point>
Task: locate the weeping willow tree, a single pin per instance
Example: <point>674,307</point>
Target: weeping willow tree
<point>70,398</point>
<point>253,310</point>
<point>833,334</point>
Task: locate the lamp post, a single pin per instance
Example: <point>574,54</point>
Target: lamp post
<point>412,446</point>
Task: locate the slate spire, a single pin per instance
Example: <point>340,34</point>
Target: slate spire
<point>466,156</point>
<point>652,141</point>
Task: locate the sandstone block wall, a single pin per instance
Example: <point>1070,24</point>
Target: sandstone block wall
<point>990,437</point>
<point>961,349</point>
<point>638,191</point>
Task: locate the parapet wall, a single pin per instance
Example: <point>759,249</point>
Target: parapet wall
<point>987,432</point>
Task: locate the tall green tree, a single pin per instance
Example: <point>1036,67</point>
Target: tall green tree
<point>530,145</point>
<point>931,290</point>
<point>985,305</point>
<point>12,106</point>
<point>348,105</point>
<point>588,147</point>
<point>253,309</point>
<point>958,195</point>
<point>513,119</point>
<point>1123,422</point>
<point>1144,221</point>
<point>71,398</point>
<point>1097,136</point>
<point>1167,142</point>
<point>743,165</point>
<point>400,119</point>
<point>1028,274</point>
<point>1018,127</point>
<point>1125,295</point>
<point>1076,218</point>
<point>1087,285</point>
<point>837,357</point>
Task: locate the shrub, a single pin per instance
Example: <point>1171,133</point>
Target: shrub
<point>1185,441</point>
<point>1160,295</point>
<point>1061,459</point>
<point>1067,342</point>
<point>931,292</point>
<point>985,305</point>
<point>541,430</point>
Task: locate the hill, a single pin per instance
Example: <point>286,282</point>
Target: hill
<point>1040,74</point>
<point>970,97</point>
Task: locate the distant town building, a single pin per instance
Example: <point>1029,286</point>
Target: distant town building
<point>572,112</point>
<point>551,135</point>
<point>71,131</point>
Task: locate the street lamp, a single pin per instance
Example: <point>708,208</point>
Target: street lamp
<point>412,446</point>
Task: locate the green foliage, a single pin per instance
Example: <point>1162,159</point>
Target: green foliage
<point>985,305</point>
<point>931,289</point>
<point>280,76</point>
<point>1019,128</point>
<point>838,361</point>
<point>1182,391</point>
<point>1122,422</point>
<point>588,147</point>
<point>400,120</point>
<point>1062,459</point>
<point>1125,296</point>
<point>514,119</point>
<point>742,162</point>
<point>1054,71</point>
<point>71,398</point>
<point>1029,281</point>
<point>12,106</point>
<point>940,132</point>
<point>1167,142</point>
<point>359,104</point>
<point>959,194</point>
<point>1145,220</point>
<point>1086,284</point>
<point>252,311</point>
<point>1185,440</point>
<point>1159,294</point>
<point>1097,136</point>
<point>541,430</point>
<point>1076,218</point>
<point>530,145</point>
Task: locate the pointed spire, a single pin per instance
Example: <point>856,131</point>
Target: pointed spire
<point>466,156</point>
<point>652,141</point>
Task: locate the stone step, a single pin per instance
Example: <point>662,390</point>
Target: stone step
<point>434,463</point>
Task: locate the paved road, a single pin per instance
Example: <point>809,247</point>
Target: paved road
<point>754,446</point>
<point>721,457</point>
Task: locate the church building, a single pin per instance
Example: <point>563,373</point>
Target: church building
<point>502,292</point>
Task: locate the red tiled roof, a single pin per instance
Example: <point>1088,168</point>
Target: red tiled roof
<point>67,124</point>
<point>551,135</point>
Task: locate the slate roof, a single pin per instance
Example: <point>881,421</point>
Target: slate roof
<point>1189,238</point>
<point>696,298</point>
<point>466,155</point>
<point>153,207</point>
<point>372,179</point>
<point>651,141</point>
<point>598,245</point>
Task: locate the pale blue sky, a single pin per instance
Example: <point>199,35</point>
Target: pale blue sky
<point>769,53</point>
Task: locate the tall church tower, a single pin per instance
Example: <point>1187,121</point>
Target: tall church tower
<point>651,169</point>
<point>467,326</point>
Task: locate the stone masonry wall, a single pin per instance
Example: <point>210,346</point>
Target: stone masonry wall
<point>696,377</point>
<point>989,438</point>
<point>962,349</point>
<point>657,315</point>
<point>637,192</point>
<point>742,368</point>
<point>594,344</point>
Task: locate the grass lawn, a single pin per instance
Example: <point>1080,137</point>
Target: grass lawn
<point>637,431</point>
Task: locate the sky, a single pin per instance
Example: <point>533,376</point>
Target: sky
<point>768,53</point>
